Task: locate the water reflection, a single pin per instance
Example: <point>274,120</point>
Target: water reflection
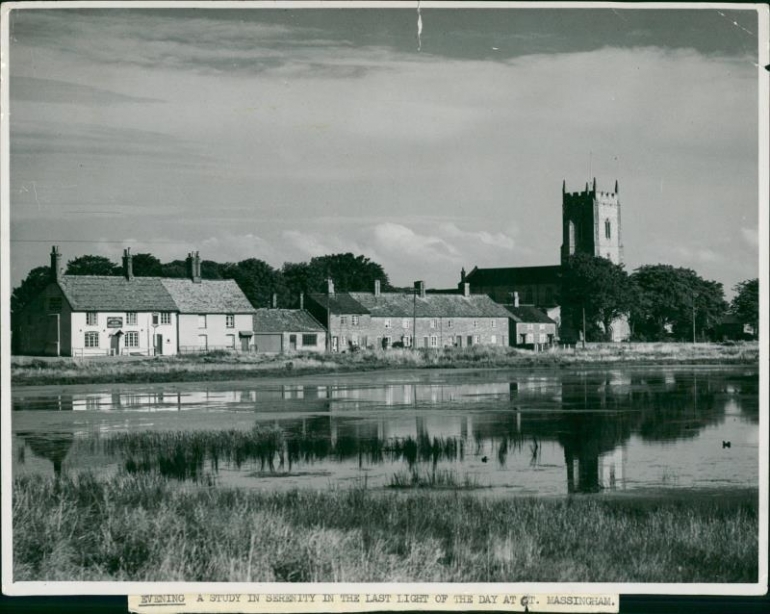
<point>518,430</point>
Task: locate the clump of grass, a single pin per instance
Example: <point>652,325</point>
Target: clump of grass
<point>146,528</point>
<point>220,365</point>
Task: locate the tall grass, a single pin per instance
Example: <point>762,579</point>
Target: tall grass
<point>144,528</point>
<point>224,366</point>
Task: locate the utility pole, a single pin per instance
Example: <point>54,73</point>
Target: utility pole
<point>414,316</point>
<point>584,327</point>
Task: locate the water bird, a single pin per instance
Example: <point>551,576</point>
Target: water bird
<point>725,444</point>
<point>484,459</point>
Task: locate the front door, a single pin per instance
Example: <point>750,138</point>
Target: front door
<point>115,344</point>
<point>245,344</point>
<point>470,340</point>
<point>158,345</point>
<point>292,342</point>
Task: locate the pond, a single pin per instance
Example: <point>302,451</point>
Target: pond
<point>499,432</point>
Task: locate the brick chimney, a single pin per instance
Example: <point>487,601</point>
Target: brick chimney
<point>466,289</point>
<point>275,301</point>
<point>330,286</point>
<point>56,271</point>
<point>376,287</point>
<point>194,267</point>
<point>301,300</point>
<point>515,299</point>
<point>420,287</point>
<point>128,264</point>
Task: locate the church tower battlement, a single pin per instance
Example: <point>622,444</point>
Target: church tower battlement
<point>591,223</point>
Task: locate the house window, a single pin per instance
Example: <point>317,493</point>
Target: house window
<point>433,341</point>
<point>387,323</point>
<point>343,320</point>
<point>155,319</point>
<point>475,323</point>
<point>543,339</point>
<point>607,229</point>
<point>354,320</point>
<point>202,320</point>
<point>230,341</point>
<point>309,339</point>
<point>405,323</point>
<point>92,339</point>
<point>354,340</point>
<point>203,342</point>
<point>476,339</point>
<point>493,339</point>
<point>449,323</point>
<point>92,318</point>
<point>433,323</point>
<point>230,320</point>
<point>130,317</point>
<point>407,341</point>
<point>530,326</point>
<point>132,339</point>
<point>542,327</point>
<point>494,323</point>
<point>165,317</point>
<point>54,304</point>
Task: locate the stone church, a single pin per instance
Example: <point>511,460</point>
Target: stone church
<point>591,224</point>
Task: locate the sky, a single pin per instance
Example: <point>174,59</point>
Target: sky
<point>287,134</point>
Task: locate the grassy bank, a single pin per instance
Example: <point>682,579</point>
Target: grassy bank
<point>147,528</point>
<point>222,366</point>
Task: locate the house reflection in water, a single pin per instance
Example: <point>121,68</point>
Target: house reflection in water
<point>52,447</point>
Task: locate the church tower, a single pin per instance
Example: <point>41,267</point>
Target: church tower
<point>591,223</point>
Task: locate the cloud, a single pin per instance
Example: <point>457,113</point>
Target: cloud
<point>751,236</point>
<point>497,239</point>
<point>63,92</point>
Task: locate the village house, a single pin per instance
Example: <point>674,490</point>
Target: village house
<point>530,327</point>
<point>213,314</point>
<point>97,315</point>
<point>287,330</point>
<point>396,319</point>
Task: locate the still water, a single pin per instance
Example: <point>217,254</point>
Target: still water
<point>492,431</point>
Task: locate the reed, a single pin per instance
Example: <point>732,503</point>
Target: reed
<point>144,527</point>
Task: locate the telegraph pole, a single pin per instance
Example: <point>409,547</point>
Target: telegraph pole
<point>584,327</point>
<point>693,317</point>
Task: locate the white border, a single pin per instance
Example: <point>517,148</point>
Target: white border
<point>123,588</point>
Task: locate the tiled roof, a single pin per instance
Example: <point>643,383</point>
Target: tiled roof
<point>515,276</point>
<point>207,296</point>
<point>285,320</point>
<point>527,313</point>
<point>107,293</point>
<point>406,305</point>
<point>341,302</point>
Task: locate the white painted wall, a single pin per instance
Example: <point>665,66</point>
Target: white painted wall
<point>144,327</point>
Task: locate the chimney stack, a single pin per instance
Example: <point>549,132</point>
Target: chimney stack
<point>617,191</point>
<point>301,300</point>
<point>420,287</point>
<point>330,286</point>
<point>466,289</point>
<point>376,287</point>
<point>128,264</point>
<point>515,299</point>
<point>56,271</point>
<point>594,184</point>
<point>275,301</point>
<point>462,275</point>
<point>194,267</point>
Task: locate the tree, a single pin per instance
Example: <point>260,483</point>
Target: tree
<point>92,265</point>
<point>745,304</point>
<point>671,300</point>
<point>350,273</point>
<point>257,279</point>
<point>32,285</point>
<point>146,265</point>
<point>598,286</point>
